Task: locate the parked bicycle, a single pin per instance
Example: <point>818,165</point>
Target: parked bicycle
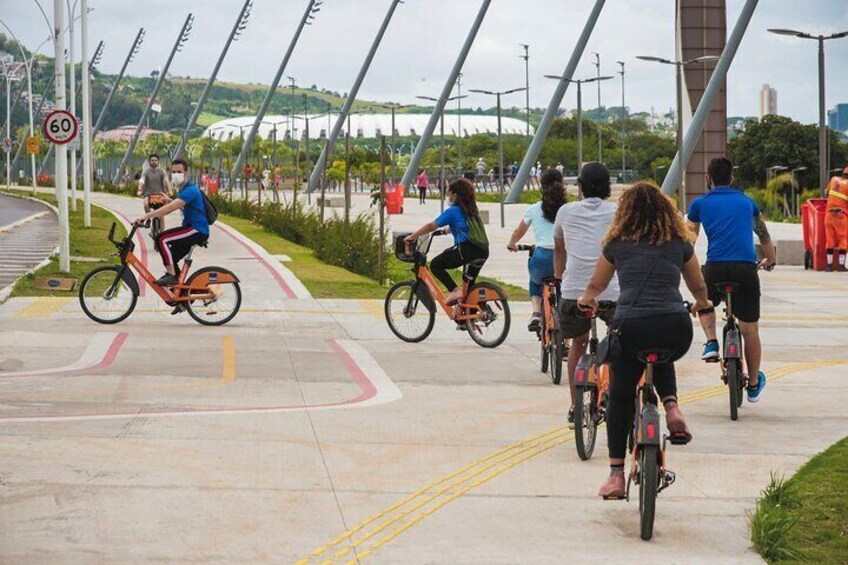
<point>591,381</point>
<point>553,348</point>
<point>108,295</point>
<point>410,306</point>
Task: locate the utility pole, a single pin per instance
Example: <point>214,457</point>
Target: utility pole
<point>526,58</point>
<point>61,167</point>
<point>73,97</point>
<point>623,126</point>
<point>87,138</point>
<point>442,177</point>
<point>312,8</point>
<point>315,177</point>
<point>553,106</point>
<point>238,27</point>
<point>181,39</point>
<point>459,122</point>
<point>600,115</point>
<point>415,159</point>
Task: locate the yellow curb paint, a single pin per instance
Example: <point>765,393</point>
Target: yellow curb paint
<point>228,374</point>
<point>482,471</point>
<point>43,307</point>
<point>373,307</point>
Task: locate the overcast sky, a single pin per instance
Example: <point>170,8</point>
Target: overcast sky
<point>425,36</point>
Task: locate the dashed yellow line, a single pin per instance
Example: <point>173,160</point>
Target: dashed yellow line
<point>384,526</point>
<point>228,374</point>
<point>43,307</point>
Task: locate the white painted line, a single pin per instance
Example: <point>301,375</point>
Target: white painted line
<point>31,217</point>
<point>97,352</point>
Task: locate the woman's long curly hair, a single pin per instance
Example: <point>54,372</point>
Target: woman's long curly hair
<point>553,194</point>
<point>465,198</point>
<point>644,212</point>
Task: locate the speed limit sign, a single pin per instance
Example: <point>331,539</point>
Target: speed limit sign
<point>60,127</point>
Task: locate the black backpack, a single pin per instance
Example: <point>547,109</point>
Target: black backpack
<point>211,210</point>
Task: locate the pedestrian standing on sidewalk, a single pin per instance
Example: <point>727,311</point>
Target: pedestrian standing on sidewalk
<point>423,184</point>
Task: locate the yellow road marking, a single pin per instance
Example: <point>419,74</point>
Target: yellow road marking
<point>43,306</point>
<point>228,374</point>
<point>399,517</point>
<point>373,307</point>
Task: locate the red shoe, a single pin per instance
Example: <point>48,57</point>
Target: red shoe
<point>614,487</point>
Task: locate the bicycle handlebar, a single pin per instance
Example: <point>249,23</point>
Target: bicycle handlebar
<point>438,232</point>
<point>530,248</point>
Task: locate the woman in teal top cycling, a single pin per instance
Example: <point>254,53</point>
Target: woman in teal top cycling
<point>540,217</point>
<point>463,206</point>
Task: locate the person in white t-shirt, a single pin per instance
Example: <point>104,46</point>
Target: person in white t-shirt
<point>579,231</point>
<point>540,216</point>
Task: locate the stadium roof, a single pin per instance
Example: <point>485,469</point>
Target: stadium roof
<point>366,126</point>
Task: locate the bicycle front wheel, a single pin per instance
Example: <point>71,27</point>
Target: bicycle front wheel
<point>407,317</point>
<point>649,478</point>
<point>105,296</point>
<point>491,325</point>
<point>557,353</point>
<point>585,423</point>
<point>226,300</point>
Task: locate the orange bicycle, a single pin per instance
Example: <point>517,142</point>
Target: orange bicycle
<point>591,382</point>
<point>108,295</point>
<point>554,348</point>
<point>410,306</point>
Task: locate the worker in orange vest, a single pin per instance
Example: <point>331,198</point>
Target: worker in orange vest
<point>836,221</point>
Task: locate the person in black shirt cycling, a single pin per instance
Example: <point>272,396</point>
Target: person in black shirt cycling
<point>649,247</point>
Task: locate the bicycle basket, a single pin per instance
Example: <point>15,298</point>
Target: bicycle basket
<point>401,250</point>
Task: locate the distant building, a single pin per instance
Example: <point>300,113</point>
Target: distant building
<point>125,133</point>
<point>837,119</point>
<point>768,101</point>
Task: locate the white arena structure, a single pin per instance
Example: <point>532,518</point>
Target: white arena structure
<point>363,126</point>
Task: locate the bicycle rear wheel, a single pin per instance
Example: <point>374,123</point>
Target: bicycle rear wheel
<point>556,357</point>
<point>408,318</point>
<point>544,348</point>
<point>649,478</point>
<point>585,423</point>
<point>221,309</point>
<point>734,377</point>
<point>491,326</point>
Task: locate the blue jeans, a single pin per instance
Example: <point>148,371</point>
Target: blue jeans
<point>541,266</point>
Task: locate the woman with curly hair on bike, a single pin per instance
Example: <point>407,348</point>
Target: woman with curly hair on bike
<point>540,216</point>
<point>649,247</point>
<point>467,246</point>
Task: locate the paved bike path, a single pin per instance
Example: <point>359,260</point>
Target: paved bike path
<point>268,439</point>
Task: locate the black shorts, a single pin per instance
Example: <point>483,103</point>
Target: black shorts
<point>746,300</point>
<point>571,326</point>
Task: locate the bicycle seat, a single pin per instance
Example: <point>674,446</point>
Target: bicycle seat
<point>727,287</point>
<point>656,356</point>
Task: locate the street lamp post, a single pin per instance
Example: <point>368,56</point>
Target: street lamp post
<point>394,107</point>
<point>526,58</point>
<point>597,64</point>
<point>794,185</point>
<point>497,96</point>
<point>10,74</point>
<point>458,98</point>
<point>623,126</point>
<point>442,179</point>
<point>823,153</point>
<point>679,86</point>
<point>580,84</point>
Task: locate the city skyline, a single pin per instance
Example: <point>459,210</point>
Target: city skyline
<point>402,70</point>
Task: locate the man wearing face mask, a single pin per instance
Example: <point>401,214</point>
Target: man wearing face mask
<point>154,186</point>
<point>175,243</point>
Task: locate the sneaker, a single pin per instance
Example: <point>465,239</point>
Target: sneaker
<point>842,269</point>
<point>167,280</point>
<point>755,392</point>
<point>614,487</point>
<point>571,418</point>
<point>535,322</point>
<point>828,269</point>
<point>710,353</point>
<point>178,309</point>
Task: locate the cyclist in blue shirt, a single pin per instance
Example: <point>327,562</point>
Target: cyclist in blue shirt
<point>730,219</point>
<point>463,206</point>
<point>175,243</point>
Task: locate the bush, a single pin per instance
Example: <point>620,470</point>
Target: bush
<point>354,246</point>
<point>115,189</point>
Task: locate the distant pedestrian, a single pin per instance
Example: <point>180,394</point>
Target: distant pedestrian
<point>481,167</point>
<point>560,168</point>
<point>423,184</point>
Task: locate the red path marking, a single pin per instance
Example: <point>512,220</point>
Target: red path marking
<point>274,273</point>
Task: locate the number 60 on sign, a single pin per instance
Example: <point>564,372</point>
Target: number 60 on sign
<point>60,127</point>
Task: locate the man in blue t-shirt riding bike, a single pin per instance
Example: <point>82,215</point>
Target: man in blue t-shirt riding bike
<point>730,219</point>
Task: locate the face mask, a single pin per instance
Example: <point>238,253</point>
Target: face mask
<point>178,178</point>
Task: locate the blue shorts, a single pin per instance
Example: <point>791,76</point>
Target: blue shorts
<point>541,266</point>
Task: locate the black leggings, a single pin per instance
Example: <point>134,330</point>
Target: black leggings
<point>422,194</point>
<point>454,257</point>
<point>671,332</point>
